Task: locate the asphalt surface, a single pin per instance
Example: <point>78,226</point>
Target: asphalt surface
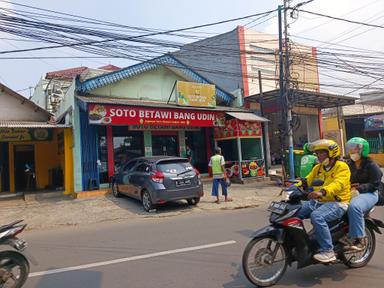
<point>192,250</point>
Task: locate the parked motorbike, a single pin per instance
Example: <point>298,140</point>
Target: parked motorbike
<point>285,240</point>
<point>14,265</point>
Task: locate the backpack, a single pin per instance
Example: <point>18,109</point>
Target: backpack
<point>381,195</point>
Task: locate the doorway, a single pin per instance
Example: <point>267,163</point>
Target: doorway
<point>4,167</point>
<point>166,145</point>
<point>24,163</point>
<point>196,142</point>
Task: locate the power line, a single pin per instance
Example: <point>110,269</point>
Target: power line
<point>67,35</point>
<point>341,45</point>
<point>341,19</point>
<point>350,12</point>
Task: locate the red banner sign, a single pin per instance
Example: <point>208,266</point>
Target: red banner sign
<point>131,115</point>
<point>236,128</point>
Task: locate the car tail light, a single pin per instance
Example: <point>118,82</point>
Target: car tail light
<point>197,173</point>
<point>158,177</point>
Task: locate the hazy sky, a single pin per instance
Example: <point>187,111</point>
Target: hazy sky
<point>172,14</point>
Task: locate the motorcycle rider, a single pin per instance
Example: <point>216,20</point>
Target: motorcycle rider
<point>330,201</point>
<point>366,179</point>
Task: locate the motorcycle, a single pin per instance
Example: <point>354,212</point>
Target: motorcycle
<point>286,240</point>
<point>14,265</point>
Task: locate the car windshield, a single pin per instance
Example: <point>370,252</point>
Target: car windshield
<point>174,167</point>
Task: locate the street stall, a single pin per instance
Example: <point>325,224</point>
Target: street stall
<point>242,145</point>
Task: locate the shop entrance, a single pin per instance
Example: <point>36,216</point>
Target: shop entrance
<point>24,163</point>
<point>196,142</point>
<point>4,168</point>
<point>165,144</point>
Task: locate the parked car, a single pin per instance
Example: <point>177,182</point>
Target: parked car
<point>157,180</point>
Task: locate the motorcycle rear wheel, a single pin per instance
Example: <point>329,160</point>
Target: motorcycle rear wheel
<point>14,269</point>
<point>360,259</point>
<point>258,255</point>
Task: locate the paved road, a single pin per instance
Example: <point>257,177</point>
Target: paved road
<point>150,253</point>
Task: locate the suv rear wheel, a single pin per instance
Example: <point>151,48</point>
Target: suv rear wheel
<point>193,201</point>
<point>146,201</point>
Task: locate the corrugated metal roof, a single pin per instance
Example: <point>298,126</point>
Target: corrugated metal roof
<point>247,116</point>
<point>306,98</point>
<point>145,103</point>
<point>29,124</point>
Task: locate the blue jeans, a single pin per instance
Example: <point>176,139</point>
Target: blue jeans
<point>321,213</point>
<point>215,187</point>
<point>358,206</point>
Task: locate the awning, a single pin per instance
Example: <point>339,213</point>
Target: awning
<point>304,98</point>
<point>29,124</point>
<point>244,116</point>
<point>148,103</point>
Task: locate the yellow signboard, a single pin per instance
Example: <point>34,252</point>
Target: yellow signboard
<point>196,94</point>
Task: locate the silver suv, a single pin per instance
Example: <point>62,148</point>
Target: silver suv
<point>157,180</point>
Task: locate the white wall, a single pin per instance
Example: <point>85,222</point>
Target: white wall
<point>12,108</point>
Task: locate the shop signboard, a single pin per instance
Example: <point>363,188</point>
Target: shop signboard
<point>133,115</point>
<point>195,94</point>
<point>236,128</point>
<point>24,134</point>
<point>374,123</point>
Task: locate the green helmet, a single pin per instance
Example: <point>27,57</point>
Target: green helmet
<point>306,149</point>
<point>360,143</point>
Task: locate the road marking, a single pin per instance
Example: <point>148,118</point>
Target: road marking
<point>133,258</point>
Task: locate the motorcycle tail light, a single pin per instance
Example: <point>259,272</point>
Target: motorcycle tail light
<point>12,232</point>
<point>293,222</point>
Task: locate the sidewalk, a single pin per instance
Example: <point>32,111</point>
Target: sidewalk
<point>64,211</point>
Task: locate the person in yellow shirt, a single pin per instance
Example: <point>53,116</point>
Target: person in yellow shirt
<point>330,201</point>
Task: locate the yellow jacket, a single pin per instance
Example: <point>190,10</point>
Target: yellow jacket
<point>336,182</point>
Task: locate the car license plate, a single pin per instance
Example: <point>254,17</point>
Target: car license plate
<point>277,207</point>
<point>183,182</point>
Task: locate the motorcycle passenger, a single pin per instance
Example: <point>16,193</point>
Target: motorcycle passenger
<point>330,201</point>
<point>366,179</point>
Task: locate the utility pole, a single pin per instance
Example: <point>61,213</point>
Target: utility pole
<point>287,96</point>
<point>284,73</point>
<point>281,90</point>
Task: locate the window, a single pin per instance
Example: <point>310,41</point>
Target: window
<point>251,148</point>
<point>129,166</point>
<point>263,71</point>
<point>165,145</point>
<point>127,145</point>
<point>263,59</point>
<point>256,48</point>
<point>143,167</point>
<point>174,167</point>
